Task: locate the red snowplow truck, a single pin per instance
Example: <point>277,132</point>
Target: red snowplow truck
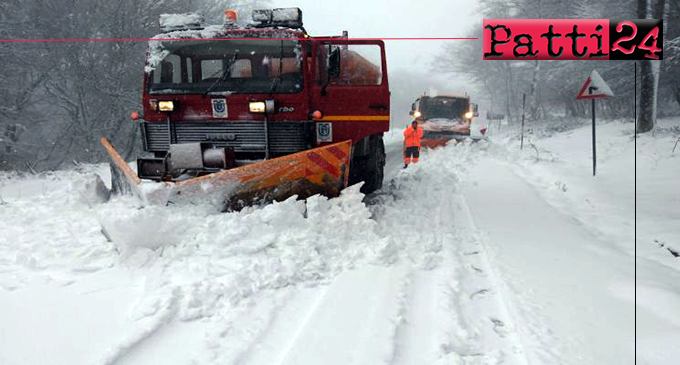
<point>249,115</point>
<point>444,118</point>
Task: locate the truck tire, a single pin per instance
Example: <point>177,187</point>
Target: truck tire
<point>370,168</point>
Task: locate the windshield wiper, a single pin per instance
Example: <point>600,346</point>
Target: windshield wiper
<point>225,74</point>
<point>277,79</point>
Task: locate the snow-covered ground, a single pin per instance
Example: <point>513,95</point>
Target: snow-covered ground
<point>633,176</point>
<point>480,254</point>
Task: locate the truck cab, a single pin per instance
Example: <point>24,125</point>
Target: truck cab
<point>239,95</point>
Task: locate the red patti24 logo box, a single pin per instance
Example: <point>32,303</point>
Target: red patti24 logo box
<point>573,39</point>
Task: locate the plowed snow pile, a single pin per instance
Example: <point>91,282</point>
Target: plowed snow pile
<point>173,263</point>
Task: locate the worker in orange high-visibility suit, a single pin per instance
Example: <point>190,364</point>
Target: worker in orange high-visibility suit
<point>412,136</point>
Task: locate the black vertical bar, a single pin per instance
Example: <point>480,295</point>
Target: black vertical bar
<point>171,132</point>
<point>266,136</point>
<point>594,159</point>
<point>635,219</point>
<point>521,143</point>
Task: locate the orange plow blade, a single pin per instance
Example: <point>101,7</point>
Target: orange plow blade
<point>434,142</point>
<point>323,170</point>
<point>124,181</point>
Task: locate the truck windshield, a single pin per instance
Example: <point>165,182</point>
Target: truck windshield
<point>230,65</point>
<point>448,108</point>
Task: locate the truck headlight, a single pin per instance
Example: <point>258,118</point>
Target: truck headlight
<point>166,106</point>
<point>267,106</point>
<point>416,114</point>
<point>468,115</point>
<point>256,106</point>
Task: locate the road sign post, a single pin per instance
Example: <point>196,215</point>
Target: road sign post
<point>594,153</point>
<point>594,88</point>
<point>521,143</point>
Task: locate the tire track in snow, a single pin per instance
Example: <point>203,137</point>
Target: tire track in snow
<point>349,321</point>
<point>275,340</point>
<point>419,337</point>
<point>454,311</point>
<point>292,342</point>
<point>151,326</point>
<point>489,295</point>
<point>434,302</point>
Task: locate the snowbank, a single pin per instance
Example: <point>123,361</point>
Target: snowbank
<point>188,264</point>
<point>632,203</point>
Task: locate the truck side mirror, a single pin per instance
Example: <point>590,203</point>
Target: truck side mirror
<point>475,110</point>
<point>334,63</point>
<point>411,112</point>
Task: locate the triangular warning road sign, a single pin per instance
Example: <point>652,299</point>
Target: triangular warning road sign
<point>595,88</point>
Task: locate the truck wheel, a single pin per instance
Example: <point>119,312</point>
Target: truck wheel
<point>369,169</point>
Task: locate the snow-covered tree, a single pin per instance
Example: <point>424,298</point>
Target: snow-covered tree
<point>58,98</point>
<point>551,86</point>
<point>649,70</point>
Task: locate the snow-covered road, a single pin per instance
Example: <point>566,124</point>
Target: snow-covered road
<point>563,282</point>
<point>474,256</point>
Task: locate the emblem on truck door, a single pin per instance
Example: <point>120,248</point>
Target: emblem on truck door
<point>324,132</point>
<point>219,107</point>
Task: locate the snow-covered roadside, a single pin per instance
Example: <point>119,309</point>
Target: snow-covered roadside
<point>560,169</point>
<point>561,281</point>
<point>62,295</point>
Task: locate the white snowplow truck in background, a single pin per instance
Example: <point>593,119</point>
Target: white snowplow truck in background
<point>238,116</point>
<point>445,118</point>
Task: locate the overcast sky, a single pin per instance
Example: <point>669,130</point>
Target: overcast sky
<point>383,18</point>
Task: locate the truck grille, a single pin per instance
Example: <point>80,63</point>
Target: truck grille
<point>284,137</point>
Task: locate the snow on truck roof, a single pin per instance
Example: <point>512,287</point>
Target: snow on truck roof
<point>220,32</point>
<point>459,96</point>
<point>157,51</point>
<point>279,23</point>
<point>170,22</point>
